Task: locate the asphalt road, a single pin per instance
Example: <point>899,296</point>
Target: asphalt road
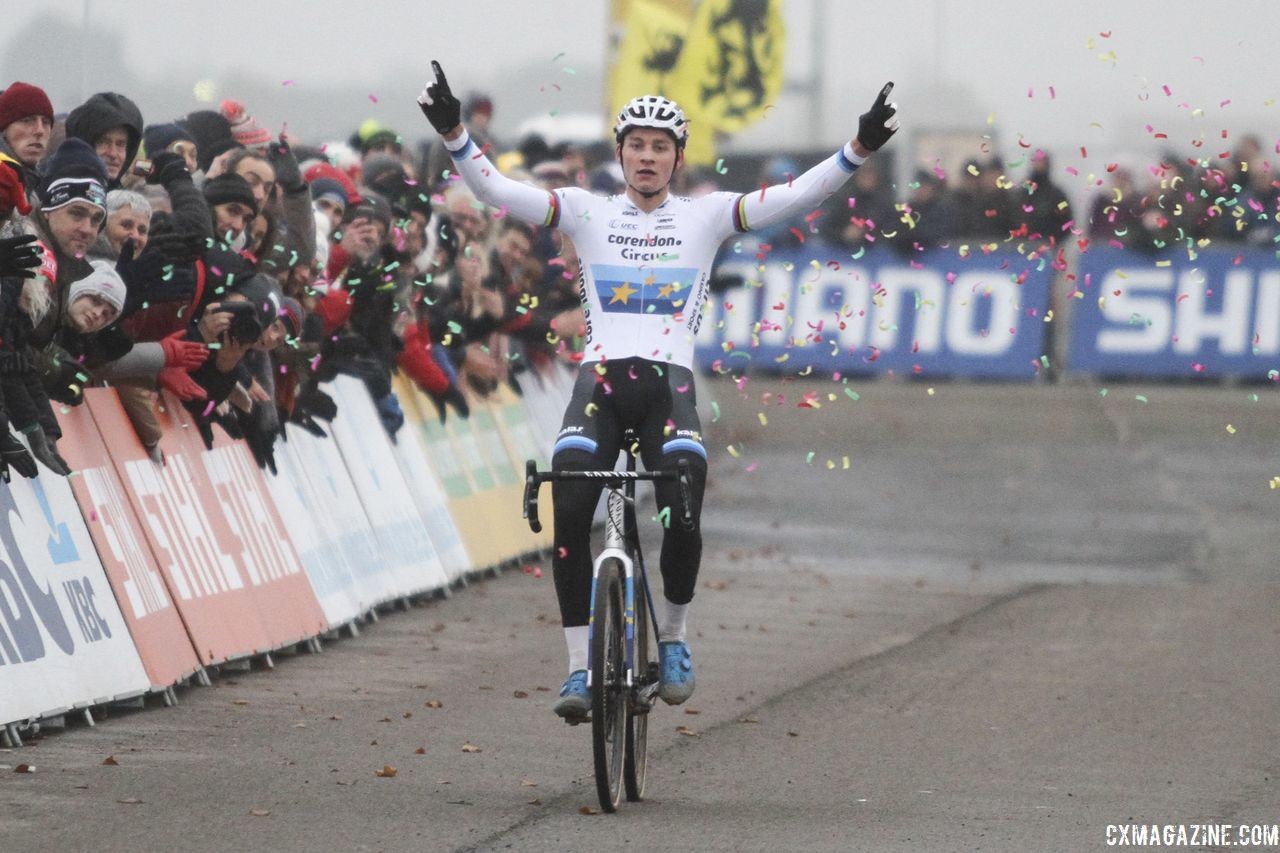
<point>1020,614</point>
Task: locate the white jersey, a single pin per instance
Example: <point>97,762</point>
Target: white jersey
<point>645,277</point>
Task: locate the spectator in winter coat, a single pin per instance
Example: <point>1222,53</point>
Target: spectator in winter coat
<point>112,124</point>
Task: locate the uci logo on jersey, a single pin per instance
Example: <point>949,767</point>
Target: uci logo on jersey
<point>619,225</point>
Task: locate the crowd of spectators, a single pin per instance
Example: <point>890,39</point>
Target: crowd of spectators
<point>239,268</point>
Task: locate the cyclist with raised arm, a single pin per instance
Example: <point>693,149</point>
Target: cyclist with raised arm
<point>646,259</point>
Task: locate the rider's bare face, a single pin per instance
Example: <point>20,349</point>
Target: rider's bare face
<point>649,158</point>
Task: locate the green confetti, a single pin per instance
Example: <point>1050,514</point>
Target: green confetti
<point>1141,398</point>
<point>852,394</point>
<point>808,460</point>
<point>664,516</point>
<point>715,411</point>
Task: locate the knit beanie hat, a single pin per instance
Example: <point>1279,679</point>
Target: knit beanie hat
<point>384,174</point>
<point>227,188</point>
<point>158,137</point>
<point>209,130</point>
<point>330,189</point>
<point>291,314</point>
<point>244,127</point>
<point>104,282</point>
<point>21,100</point>
<point>74,173</point>
<point>328,170</point>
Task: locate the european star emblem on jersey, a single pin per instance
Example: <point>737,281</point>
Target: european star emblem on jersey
<point>653,291</point>
<point>623,293</point>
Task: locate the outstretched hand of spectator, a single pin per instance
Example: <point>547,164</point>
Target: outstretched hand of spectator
<point>179,382</point>
<point>14,455</point>
<point>181,353</point>
<point>19,256</point>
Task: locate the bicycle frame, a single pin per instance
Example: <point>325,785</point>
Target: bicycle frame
<point>622,540</point>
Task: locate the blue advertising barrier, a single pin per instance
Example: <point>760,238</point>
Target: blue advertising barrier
<point>1215,315</point>
<point>980,316</point>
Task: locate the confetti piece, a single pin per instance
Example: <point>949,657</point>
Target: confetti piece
<point>373,98</point>
<point>720,167</point>
<point>1141,398</point>
<point>665,517</point>
<point>808,459</point>
<point>1231,429</point>
<point>733,451</point>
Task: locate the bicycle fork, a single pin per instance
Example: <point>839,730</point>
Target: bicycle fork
<point>615,548</point>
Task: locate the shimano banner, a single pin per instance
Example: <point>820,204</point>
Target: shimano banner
<point>936,315</point>
<point>1216,315</point>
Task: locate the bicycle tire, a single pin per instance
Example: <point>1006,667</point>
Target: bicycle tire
<point>637,743</point>
<point>608,692</point>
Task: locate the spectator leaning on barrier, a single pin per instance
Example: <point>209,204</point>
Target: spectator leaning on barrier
<point>112,124</point>
<point>128,218</point>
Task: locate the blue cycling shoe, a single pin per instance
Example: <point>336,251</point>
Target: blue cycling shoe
<point>677,672</point>
<point>574,704</point>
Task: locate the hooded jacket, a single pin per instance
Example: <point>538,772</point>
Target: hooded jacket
<point>101,113</point>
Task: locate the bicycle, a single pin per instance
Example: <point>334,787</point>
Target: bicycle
<point>622,666</point>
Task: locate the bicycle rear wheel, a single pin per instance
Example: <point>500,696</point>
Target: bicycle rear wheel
<point>608,692</point>
<point>638,718</point>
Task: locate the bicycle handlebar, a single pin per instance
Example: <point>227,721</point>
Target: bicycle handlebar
<point>533,479</point>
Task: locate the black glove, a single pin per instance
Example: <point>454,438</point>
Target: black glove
<point>205,428</point>
<point>877,124</point>
<point>438,104</point>
<point>46,450</point>
<point>19,256</point>
<point>288,175</point>
<point>167,167</point>
<point>12,453</point>
<point>261,443</point>
<point>61,375</point>
<point>317,404</point>
<point>307,422</point>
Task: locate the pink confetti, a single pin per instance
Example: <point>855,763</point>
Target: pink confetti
<point>209,408</point>
<point>1224,103</point>
<point>752,467</point>
<point>1052,94</point>
<point>1031,93</point>
<point>287,83</point>
<point>373,97</point>
<point>1166,90</point>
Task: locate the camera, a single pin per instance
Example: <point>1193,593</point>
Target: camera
<point>141,168</point>
<point>246,325</point>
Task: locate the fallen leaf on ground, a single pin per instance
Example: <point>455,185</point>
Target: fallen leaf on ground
<point>110,761</point>
<point>335,716</point>
<point>520,694</point>
<point>385,720</point>
<point>422,750</point>
<point>130,801</point>
<point>692,711</point>
<point>433,703</point>
<point>386,772</point>
<point>793,734</point>
<point>535,802</point>
<point>588,810</point>
<point>240,702</point>
<point>407,714</point>
<point>686,731</point>
<point>259,812</point>
<point>25,768</point>
<point>748,719</point>
<point>528,783</point>
<point>470,747</point>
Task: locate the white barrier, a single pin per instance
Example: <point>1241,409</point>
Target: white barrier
<point>63,641</point>
<point>407,551</point>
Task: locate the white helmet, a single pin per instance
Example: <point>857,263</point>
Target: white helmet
<point>652,111</point>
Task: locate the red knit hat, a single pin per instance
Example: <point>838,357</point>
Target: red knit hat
<point>244,127</point>
<point>21,100</point>
<point>326,170</point>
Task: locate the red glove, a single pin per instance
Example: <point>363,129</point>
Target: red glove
<point>183,354</point>
<point>13,192</point>
<point>415,359</point>
<point>178,381</point>
<point>335,309</point>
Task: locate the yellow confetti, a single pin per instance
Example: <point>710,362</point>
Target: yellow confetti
<point>763,420</point>
<point>1231,429</point>
<point>930,392</point>
<point>591,409</point>
<point>733,451</point>
<point>845,462</point>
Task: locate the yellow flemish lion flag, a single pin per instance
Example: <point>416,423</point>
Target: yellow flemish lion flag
<point>649,37</point>
<point>723,65</point>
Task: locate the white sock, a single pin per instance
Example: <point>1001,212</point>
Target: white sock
<point>671,621</point>
<point>576,639</point>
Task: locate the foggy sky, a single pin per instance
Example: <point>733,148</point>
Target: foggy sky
<point>981,68</point>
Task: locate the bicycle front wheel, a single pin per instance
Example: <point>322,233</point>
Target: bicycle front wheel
<point>638,717</point>
<point>608,690</point>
